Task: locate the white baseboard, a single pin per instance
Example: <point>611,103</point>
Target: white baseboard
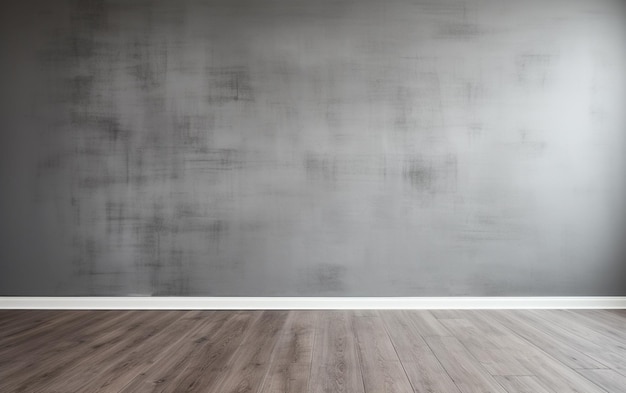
<point>309,303</point>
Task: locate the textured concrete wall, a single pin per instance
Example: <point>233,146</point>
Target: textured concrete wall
<point>245,148</point>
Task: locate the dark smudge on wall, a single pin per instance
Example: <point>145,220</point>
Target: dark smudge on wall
<point>300,148</point>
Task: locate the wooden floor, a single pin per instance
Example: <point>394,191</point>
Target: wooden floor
<point>313,351</point>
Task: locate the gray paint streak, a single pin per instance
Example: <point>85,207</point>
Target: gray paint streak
<point>348,148</point>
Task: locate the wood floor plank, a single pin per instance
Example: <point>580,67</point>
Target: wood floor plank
<point>183,362</point>
<point>447,351</point>
<point>139,359</point>
<point>540,337</point>
<point>64,350</point>
<point>246,370</point>
<point>33,334</point>
<point>103,360</point>
<point>63,321</point>
<point>447,314</point>
<point>208,364</point>
<point>463,368</point>
<point>56,346</point>
<point>422,367</point>
<point>380,366</point>
<point>590,330</point>
<point>620,313</point>
<point>594,345</point>
<point>610,349</point>
<point>555,375</point>
<point>9,314</point>
<point>21,316</point>
<point>522,384</point>
<point>364,313</point>
<point>71,376</point>
<point>291,363</point>
<point>426,324</point>
<point>600,324</point>
<point>605,318</point>
<point>552,373</point>
<point>18,322</point>
<point>495,352</point>
<point>335,367</point>
<point>609,380</point>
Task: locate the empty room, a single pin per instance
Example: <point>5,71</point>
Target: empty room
<point>313,196</point>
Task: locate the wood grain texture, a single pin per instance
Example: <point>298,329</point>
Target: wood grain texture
<point>609,380</point>
<point>12,321</point>
<point>552,374</point>
<point>598,345</point>
<point>603,321</point>
<point>62,346</point>
<point>381,368</point>
<point>402,351</point>
<point>177,370</point>
<point>542,338</point>
<point>522,384</point>
<point>426,324</point>
<point>250,363</point>
<point>91,366</point>
<point>151,351</point>
<point>335,366</point>
<point>464,369</point>
<point>492,350</point>
<point>291,364</point>
<point>422,367</point>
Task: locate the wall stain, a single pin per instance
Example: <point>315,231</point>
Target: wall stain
<point>263,148</point>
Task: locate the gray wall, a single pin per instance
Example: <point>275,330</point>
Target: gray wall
<point>259,148</point>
